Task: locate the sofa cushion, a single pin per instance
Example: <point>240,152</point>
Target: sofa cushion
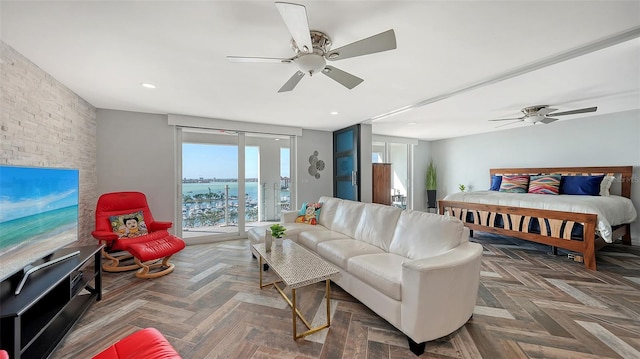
<point>421,235</point>
<point>382,271</point>
<point>347,217</point>
<point>339,251</point>
<point>328,212</point>
<point>311,239</point>
<point>377,225</point>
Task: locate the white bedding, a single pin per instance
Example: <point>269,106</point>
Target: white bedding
<point>611,210</point>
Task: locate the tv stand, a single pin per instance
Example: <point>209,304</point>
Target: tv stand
<point>32,269</point>
<point>51,300</point>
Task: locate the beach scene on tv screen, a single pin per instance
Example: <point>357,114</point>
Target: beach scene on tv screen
<point>38,214</point>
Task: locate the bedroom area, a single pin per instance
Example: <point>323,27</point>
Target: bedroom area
<point>598,141</point>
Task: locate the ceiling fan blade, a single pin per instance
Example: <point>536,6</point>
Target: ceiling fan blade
<point>509,119</point>
<point>292,82</point>
<point>344,78</point>
<point>545,111</point>
<point>295,17</point>
<point>573,112</point>
<point>548,120</point>
<point>509,123</point>
<point>258,59</point>
<point>377,43</point>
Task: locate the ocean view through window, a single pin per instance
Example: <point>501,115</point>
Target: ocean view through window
<point>210,197</point>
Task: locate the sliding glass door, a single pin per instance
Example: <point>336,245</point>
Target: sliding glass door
<point>230,182</point>
<point>210,189</point>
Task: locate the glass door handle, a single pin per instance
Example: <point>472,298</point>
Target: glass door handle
<point>353,178</point>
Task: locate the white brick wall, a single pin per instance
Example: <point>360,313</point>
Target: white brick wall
<point>43,123</point>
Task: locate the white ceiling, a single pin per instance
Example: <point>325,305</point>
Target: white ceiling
<point>104,50</point>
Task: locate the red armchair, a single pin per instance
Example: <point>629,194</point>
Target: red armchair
<point>146,343</point>
<point>129,212</point>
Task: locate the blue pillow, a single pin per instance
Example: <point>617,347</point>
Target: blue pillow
<point>581,185</point>
<point>495,183</point>
<point>302,209</point>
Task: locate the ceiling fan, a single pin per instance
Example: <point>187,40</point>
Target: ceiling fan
<point>539,114</point>
<point>313,48</point>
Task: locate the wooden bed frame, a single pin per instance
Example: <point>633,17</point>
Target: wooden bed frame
<point>516,219</point>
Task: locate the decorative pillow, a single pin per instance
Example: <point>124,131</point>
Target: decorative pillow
<point>129,225</point>
<point>495,183</point>
<point>544,184</point>
<point>581,185</point>
<point>514,184</point>
<point>302,209</point>
<point>606,185</point>
<point>310,213</point>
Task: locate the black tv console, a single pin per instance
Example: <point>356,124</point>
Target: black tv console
<point>34,322</point>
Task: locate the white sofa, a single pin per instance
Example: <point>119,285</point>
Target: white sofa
<point>416,270</point>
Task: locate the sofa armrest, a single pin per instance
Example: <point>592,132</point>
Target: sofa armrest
<point>439,293</point>
<point>288,216</point>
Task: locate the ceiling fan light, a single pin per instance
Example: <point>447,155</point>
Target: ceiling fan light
<point>311,63</point>
<point>533,119</point>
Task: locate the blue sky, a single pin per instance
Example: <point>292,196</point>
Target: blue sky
<point>221,161</point>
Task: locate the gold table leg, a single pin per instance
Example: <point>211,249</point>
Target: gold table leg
<point>261,281</point>
<point>295,313</point>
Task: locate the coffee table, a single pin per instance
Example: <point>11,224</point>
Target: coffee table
<point>297,267</point>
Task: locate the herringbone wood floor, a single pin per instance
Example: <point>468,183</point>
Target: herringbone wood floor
<point>530,305</point>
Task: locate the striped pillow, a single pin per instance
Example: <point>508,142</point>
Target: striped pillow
<point>544,184</point>
<point>514,184</point>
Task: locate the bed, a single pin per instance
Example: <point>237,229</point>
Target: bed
<point>580,224</point>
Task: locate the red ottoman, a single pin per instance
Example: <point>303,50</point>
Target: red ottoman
<point>147,343</point>
<point>156,249</point>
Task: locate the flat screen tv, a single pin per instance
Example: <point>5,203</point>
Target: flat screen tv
<point>38,214</point>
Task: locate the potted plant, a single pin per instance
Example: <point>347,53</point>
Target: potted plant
<point>462,187</point>
<point>431,184</point>
<point>277,230</point>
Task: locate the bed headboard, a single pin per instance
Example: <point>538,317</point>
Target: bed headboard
<point>623,173</point>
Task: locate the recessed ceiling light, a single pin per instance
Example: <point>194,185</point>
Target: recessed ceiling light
<point>334,113</point>
<point>411,123</point>
<point>148,85</point>
<point>277,139</point>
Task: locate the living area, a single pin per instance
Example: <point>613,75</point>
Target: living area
<point>528,303</point>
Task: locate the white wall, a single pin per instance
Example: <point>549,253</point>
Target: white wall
<point>310,188</point>
<point>421,156</point>
<point>136,153</point>
<point>605,140</point>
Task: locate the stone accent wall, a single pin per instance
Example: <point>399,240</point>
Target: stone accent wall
<point>44,124</point>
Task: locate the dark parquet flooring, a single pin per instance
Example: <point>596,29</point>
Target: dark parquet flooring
<point>530,305</point>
